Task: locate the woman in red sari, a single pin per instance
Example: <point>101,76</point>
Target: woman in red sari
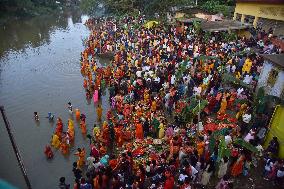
<point>170,181</point>
<point>139,131</point>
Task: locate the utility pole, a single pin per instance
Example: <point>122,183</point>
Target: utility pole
<point>197,129</point>
<point>15,148</point>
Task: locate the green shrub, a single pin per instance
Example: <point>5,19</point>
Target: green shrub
<point>216,7</point>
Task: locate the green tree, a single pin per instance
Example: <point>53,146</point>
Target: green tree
<point>127,6</point>
<point>89,5</point>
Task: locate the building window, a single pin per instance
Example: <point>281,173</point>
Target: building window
<point>249,19</point>
<point>238,17</point>
<point>272,78</point>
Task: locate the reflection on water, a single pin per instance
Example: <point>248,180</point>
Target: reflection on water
<point>22,33</point>
<point>40,71</point>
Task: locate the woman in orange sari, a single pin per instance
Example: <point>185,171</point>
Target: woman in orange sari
<point>200,147</point>
<point>118,136</point>
<point>64,148</point>
<point>231,100</point>
<point>99,113</point>
<point>83,127</point>
<point>139,113</point>
<point>78,114</point>
<point>59,127</point>
<point>113,162</point>
<point>105,133</point>
<point>85,84</point>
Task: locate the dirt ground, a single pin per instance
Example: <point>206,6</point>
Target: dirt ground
<point>253,181</point>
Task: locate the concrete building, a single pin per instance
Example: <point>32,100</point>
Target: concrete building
<point>272,75</point>
<point>259,9</point>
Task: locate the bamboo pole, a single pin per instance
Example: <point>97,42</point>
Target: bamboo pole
<point>15,148</point>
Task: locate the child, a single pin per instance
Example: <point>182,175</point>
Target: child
<point>36,116</point>
<point>70,107</point>
<point>48,152</point>
<point>50,116</point>
<point>62,184</point>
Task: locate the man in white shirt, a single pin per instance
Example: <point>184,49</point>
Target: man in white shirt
<point>279,175</point>
<point>261,133</point>
<point>173,79</point>
<point>246,117</point>
<point>138,73</point>
<point>239,91</point>
<point>260,150</point>
<point>193,173</point>
<point>233,69</point>
<point>249,136</point>
<point>228,139</point>
<point>90,162</point>
<point>157,79</point>
<point>197,91</point>
<point>247,79</point>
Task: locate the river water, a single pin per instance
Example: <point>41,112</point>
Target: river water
<point>40,71</point>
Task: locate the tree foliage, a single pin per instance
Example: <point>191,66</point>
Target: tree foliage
<point>89,5</point>
<point>26,7</point>
<point>149,7</point>
<point>215,6</point>
<point>128,6</point>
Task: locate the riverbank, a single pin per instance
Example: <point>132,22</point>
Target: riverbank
<point>159,73</point>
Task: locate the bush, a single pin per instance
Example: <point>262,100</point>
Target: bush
<point>216,7</point>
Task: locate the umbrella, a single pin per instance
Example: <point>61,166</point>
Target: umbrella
<point>150,24</point>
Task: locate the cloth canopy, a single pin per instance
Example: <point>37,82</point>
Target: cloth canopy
<point>150,24</point>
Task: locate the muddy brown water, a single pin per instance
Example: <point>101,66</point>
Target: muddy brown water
<point>40,71</point>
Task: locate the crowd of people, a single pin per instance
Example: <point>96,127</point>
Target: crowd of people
<point>174,119</point>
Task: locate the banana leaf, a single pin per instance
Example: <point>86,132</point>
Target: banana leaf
<point>204,57</point>
<point>212,142</point>
<point>223,150</point>
<point>228,78</point>
<point>203,104</point>
<point>193,103</point>
<point>246,145</point>
<point>213,137</point>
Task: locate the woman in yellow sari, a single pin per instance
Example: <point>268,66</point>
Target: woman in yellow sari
<point>154,106</point>
<point>81,153</point>
<point>247,66</point>
<point>223,107</point>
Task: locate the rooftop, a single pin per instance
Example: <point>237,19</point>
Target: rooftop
<point>189,20</point>
<point>223,25</point>
<point>261,1</point>
<point>277,59</point>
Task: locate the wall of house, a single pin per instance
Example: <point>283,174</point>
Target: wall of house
<point>179,15</point>
<point>262,81</point>
<point>278,87</point>
<point>259,10</point>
